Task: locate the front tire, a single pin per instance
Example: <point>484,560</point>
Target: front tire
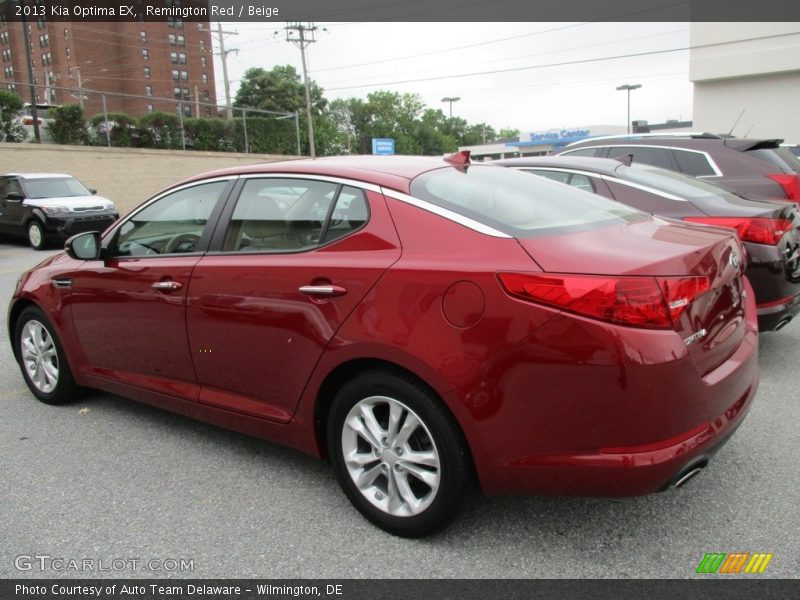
<point>42,360</point>
<point>36,235</point>
<point>398,454</point>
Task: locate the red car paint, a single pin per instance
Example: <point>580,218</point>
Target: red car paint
<point>548,401</point>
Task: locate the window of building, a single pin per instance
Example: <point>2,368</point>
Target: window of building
<point>175,75</point>
<point>147,72</point>
<point>208,111</point>
<point>203,62</point>
<point>9,72</point>
<point>148,90</point>
<point>172,39</point>
<point>202,45</point>
<point>66,33</point>
<point>44,40</point>
<point>206,95</point>
<point>176,92</point>
<point>181,40</point>
<point>145,54</point>
<point>150,108</point>
<point>143,35</point>
<point>4,38</point>
<point>182,58</point>
<point>173,57</point>
<point>204,77</point>
<point>12,87</point>
<point>7,54</point>
<point>47,58</point>
<point>187,95</point>
<point>184,75</point>
<point>67,52</point>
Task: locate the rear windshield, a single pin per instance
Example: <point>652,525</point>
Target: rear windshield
<point>669,181</point>
<point>779,157</point>
<point>518,204</point>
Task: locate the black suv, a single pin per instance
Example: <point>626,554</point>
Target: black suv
<point>50,206</point>
<point>754,168</point>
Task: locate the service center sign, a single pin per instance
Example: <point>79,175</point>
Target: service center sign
<point>382,146</point>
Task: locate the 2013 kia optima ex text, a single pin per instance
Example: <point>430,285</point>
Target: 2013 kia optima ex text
<point>419,322</point>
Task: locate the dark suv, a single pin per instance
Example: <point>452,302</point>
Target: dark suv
<point>757,168</point>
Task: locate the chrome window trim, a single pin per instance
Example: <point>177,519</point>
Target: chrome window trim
<point>327,178</point>
<point>637,186</point>
<point>446,213</point>
<point>712,164</point>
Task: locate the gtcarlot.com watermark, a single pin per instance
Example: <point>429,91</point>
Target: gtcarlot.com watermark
<point>63,564</point>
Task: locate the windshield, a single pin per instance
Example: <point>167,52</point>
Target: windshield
<point>518,204</point>
<point>54,187</point>
<point>669,181</point>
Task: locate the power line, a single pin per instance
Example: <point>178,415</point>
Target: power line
<point>561,64</point>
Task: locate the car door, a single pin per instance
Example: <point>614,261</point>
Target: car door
<point>129,308</point>
<point>13,210</point>
<point>285,273</point>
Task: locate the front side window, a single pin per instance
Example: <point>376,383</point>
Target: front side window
<point>291,215</point>
<point>516,203</point>
<point>172,224</point>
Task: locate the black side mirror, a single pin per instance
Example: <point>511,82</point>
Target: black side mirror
<point>15,197</point>
<point>93,191</point>
<point>84,246</point>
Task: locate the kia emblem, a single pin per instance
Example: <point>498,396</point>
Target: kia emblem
<point>734,261</point>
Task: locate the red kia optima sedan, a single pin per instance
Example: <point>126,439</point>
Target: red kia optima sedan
<point>419,322</point>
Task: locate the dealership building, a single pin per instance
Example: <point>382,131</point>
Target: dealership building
<point>747,77</point>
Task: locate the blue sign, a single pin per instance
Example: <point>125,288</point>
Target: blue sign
<point>382,146</point>
<point>553,137</point>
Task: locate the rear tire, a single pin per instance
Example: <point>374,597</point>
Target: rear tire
<point>398,453</point>
<point>36,235</point>
<point>42,360</point>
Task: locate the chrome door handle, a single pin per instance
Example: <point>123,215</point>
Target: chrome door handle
<point>169,286</point>
<point>326,291</point>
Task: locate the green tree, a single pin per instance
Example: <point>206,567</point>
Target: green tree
<point>69,125</point>
<point>508,133</point>
<point>279,89</point>
<point>10,130</point>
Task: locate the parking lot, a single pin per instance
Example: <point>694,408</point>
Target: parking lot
<point>106,478</point>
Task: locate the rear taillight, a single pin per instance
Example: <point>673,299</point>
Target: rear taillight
<point>654,303</point>
<point>760,230</point>
<point>789,183</point>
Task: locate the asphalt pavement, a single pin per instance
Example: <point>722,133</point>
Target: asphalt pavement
<point>108,479</point>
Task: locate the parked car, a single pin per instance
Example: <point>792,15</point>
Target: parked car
<point>757,168</point>
<point>453,320</point>
<point>769,229</point>
<point>45,207</point>
<point>793,148</point>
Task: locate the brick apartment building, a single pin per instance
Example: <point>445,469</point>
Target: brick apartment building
<point>168,65</point>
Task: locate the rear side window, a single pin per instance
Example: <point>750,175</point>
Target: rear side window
<point>516,203</point>
<point>693,163</point>
<point>658,157</point>
<point>583,152</point>
<point>582,182</point>
<point>286,215</point>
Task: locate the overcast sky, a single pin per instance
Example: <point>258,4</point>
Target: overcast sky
<point>354,59</point>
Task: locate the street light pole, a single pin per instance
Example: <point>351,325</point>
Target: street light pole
<point>628,88</point>
<point>451,99</point>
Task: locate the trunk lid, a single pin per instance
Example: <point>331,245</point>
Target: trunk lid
<point>713,324</point>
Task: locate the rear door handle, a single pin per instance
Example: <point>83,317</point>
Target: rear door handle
<point>166,286</point>
<point>324,291</point>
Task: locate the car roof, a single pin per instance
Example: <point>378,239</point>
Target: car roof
<point>606,166</point>
<point>389,171</point>
<point>36,175</point>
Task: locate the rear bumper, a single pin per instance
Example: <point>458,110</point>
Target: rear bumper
<point>775,276</point>
<point>621,429</point>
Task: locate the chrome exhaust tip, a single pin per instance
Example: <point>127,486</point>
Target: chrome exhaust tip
<point>691,473</point>
<point>782,323</point>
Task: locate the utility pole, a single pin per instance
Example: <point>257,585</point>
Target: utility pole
<point>197,101</point>
<point>80,87</point>
<point>34,113</point>
<point>223,54</point>
<point>301,36</point>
